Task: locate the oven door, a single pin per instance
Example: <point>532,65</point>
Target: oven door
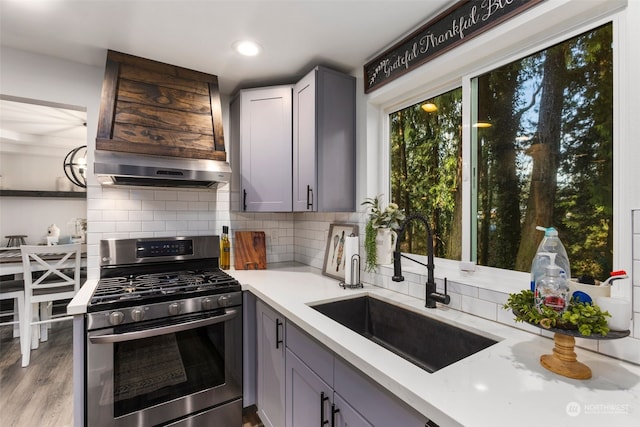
<point>163,371</point>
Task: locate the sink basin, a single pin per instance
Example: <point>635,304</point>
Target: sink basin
<point>426,342</point>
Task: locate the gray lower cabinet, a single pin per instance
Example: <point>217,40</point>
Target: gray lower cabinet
<point>321,389</point>
<point>270,370</point>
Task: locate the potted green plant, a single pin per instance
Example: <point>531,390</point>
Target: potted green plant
<point>380,233</point>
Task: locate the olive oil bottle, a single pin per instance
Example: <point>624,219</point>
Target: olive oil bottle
<point>225,249</point>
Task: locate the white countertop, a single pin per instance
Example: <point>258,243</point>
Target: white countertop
<point>501,385</point>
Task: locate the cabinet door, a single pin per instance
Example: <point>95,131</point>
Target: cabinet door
<point>265,149</point>
<point>336,141</point>
<point>271,365</point>
<point>371,401</point>
<point>304,144</point>
<point>346,415</point>
<point>309,399</point>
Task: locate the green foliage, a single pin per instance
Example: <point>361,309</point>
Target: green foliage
<point>587,318</point>
<point>370,247</point>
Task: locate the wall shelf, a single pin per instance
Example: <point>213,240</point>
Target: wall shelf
<point>37,193</point>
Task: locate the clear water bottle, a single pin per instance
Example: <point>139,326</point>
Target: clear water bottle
<point>550,244</point>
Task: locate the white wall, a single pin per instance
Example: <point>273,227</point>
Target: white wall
<point>31,216</point>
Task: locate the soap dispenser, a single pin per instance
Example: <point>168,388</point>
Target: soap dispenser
<point>552,289</point>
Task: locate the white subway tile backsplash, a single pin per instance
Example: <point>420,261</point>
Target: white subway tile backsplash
<point>115,215</point>
<point>129,205</point>
<point>153,205</point>
<point>481,308</point>
<point>198,206</point>
<point>165,195</point>
<point>100,204</point>
<point>164,216</point>
<point>102,227</point>
<point>141,215</point>
<point>138,194</point>
<point>207,216</point>
<point>198,225</point>
<point>177,225</point>
<point>153,226</point>
<point>177,205</point>
<point>188,196</point>
<point>115,193</point>
<point>128,226</point>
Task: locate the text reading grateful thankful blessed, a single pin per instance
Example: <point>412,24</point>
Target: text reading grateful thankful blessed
<point>463,21</point>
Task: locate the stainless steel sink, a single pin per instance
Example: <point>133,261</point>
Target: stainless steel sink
<point>426,342</point>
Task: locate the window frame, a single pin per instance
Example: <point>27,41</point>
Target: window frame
<point>421,88</point>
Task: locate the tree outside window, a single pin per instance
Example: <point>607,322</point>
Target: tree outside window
<point>544,148</point>
<point>542,142</point>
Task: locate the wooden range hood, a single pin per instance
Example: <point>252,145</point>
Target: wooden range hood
<point>162,121</point>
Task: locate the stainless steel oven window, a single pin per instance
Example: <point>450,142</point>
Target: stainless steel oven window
<point>156,379</point>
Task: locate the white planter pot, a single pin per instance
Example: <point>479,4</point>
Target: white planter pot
<point>385,245</point>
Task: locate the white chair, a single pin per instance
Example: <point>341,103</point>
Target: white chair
<point>13,290</point>
<point>51,273</point>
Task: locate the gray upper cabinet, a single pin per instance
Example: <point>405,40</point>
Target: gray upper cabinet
<point>294,145</point>
<point>261,126</point>
<point>324,142</point>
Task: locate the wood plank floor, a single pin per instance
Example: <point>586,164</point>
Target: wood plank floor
<point>41,394</point>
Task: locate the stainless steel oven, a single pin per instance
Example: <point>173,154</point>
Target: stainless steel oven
<point>171,356</point>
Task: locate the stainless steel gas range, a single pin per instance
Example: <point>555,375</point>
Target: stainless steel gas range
<point>164,336</point>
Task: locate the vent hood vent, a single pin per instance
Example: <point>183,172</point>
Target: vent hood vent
<point>112,168</point>
<point>159,125</point>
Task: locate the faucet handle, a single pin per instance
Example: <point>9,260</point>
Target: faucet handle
<point>397,267</point>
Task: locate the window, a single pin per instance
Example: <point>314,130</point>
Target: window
<point>541,154</point>
<point>426,154</point>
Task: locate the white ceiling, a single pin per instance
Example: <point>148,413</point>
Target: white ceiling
<point>295,35</point>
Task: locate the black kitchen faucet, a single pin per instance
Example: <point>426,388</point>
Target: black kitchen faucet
<point>432,295</point>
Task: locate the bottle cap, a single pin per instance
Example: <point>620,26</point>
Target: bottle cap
<point>225,229</point>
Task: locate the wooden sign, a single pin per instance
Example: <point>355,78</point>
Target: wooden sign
<point>463,21</point>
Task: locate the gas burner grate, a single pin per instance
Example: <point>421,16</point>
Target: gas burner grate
<point>143,286</point>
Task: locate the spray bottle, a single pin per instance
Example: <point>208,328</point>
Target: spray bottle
<point>550,244</point>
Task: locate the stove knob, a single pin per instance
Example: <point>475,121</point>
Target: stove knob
<point>174,308</point>
<point>137,314</point>
<point>207,304</point>
<point>116,317</point>
<point>223,301</point>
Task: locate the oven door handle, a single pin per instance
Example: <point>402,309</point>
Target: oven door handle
<point>146,333</point>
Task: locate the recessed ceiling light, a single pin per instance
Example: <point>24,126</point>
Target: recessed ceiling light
<point>247,48</point>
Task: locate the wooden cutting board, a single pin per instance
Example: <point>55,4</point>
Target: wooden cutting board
<point>250,251</point>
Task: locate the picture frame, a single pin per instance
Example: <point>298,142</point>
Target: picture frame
<point>333,264</point>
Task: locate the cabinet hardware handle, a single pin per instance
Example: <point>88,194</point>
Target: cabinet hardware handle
<point>309,199</point>
<point>278,339</point>
<point>244,200</point>
<point>323,399</point>
<point>334,411</point>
